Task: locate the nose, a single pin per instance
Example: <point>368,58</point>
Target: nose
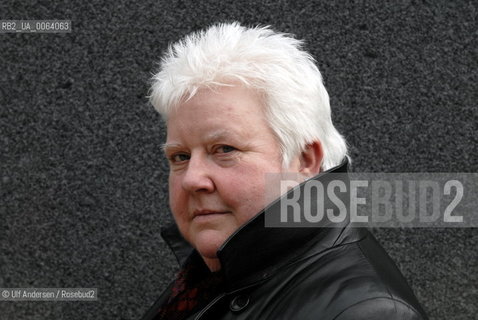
<point>198,175</point>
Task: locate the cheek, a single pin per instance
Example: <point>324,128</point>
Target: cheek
<point>176,197</point>
<point>245,195</point>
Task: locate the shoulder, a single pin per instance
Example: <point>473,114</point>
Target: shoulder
<point>378,309</point>
<point>353,280</point>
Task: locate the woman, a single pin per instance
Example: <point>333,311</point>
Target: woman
<point>241,103</point>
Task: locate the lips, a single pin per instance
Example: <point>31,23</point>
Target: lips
<point>207,212</point>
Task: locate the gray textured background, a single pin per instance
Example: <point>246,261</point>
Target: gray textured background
<point>83,182</point>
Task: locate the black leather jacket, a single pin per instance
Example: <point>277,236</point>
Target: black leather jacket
<point>303,273</point>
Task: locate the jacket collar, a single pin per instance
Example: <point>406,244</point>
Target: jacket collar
<point>254,251</point>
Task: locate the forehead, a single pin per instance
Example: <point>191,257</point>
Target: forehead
<point>221,112</point>
<point>231,102</point>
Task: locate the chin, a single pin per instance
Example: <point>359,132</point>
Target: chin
<point>207,242</point>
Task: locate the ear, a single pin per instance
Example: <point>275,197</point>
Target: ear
<point>311,159</point>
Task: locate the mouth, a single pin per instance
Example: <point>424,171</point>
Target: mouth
<point>208,213</point>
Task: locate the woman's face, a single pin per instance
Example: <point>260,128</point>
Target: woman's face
<point>219,147</point>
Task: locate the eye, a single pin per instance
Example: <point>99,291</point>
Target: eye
<point>179,157</point>
<point>226,149</point>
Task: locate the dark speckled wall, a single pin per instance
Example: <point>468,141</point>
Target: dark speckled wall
<point>83,184</point>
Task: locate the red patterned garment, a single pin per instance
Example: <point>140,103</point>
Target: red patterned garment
<point>195,286</point>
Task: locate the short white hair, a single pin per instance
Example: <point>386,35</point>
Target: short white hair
<point>297,105</point>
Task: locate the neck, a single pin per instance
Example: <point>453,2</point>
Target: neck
<point>212,263</point>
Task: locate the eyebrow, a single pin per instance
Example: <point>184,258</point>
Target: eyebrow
<point>167,146</point>
<point>214,136</point>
